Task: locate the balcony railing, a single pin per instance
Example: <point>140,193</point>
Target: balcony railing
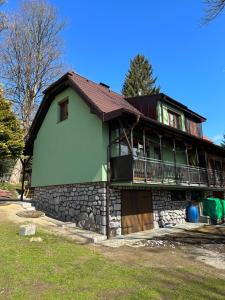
<point>140,169</point>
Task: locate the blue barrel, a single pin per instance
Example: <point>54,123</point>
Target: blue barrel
<point>192,213</point>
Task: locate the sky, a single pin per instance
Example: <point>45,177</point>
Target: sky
<point>188,58</point>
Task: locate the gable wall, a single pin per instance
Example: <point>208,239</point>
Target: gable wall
<point>71,151</point>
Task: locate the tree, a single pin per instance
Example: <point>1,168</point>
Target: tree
<point>223,142</point>
<point>30,56</point>
<point>11,135</point>
<point>2,17</point>
<point>140,80</point>
<point>213,9</point>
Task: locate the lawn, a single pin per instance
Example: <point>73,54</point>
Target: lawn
<point>58,268</point>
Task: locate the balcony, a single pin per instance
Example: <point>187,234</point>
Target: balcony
<point>150,171</point>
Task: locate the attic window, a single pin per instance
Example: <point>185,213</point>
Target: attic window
<point>174,119</point>
<point>63,110</point>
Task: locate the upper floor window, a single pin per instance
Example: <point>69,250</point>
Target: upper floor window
<point>63,109</point>
<point>174,119</point>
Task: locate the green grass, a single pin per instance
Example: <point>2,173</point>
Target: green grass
<point>61,269</point>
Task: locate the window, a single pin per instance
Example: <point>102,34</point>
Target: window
<point>174,119</point>
<point>197,195</point>
<point>178,195</point>
<point>63,110</point>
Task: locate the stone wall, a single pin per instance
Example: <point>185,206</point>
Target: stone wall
<point>167,211</point>
<point>83,204</point>
<point>115,212</point>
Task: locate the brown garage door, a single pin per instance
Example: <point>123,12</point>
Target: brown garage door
<point>137,212</point>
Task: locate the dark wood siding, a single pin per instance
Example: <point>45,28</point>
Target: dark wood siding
<point>146,105</point>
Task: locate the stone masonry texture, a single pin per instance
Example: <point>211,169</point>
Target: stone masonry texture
<point>83,204</point>
<point>167,211</point>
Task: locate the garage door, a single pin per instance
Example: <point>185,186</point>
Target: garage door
<point>137,212</point>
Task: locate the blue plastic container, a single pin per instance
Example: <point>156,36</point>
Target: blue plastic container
<point>192,214</point>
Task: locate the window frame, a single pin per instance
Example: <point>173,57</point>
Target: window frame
<point>176,116</point>
<point>63,115</point>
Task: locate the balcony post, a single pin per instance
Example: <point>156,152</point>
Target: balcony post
<point>214,172</point>
<point>145,161</point>
<point>197,157</point>
<point>161,156</point>
<point>187,158</point>
<point>206,166</point>
<point>132,141</point>
<point>221,166</point>
<point>175,159</point>
<point>132,150</point>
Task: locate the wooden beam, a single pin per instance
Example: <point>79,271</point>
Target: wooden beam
<point>175,158</point>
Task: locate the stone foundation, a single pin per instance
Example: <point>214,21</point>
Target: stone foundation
<point>167,211</point>
<point>83,204</point>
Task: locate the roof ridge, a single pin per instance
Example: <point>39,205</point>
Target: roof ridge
<point>94,82</point>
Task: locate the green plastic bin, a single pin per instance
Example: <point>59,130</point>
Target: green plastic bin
<point>223,206</point>
<point>213,207</point>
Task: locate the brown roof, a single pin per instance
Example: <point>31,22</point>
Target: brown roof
<point>102,101</point>
<point>103,98</point>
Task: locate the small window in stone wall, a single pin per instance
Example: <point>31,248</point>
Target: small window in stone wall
<point>178,195</point>
<point>197,195</point>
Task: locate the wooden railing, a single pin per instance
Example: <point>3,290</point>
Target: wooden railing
<point>155,171</point>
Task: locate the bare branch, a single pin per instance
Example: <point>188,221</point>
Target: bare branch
<point>2,17</point>
<point>30,56</point>
<point>213,9</point>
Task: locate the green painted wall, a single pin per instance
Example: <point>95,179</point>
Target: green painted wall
<point>168,155</point>
<point>71,151</point>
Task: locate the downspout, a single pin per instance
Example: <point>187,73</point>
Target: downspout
<point>109,177</point>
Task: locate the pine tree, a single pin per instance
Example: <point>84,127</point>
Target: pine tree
<point>223,142</point>
<point>11,135</point>
<point>139,79</point>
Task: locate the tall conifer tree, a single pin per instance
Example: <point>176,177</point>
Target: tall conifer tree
<point>139,79</point>
<point>11,135</point>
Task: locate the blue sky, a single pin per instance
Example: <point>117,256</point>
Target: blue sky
<point>189,59</point>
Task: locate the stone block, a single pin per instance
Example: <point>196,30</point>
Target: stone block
<point>117,207</point>
<point>30,208</point>
<point>114,224</point>
<point>28,229</point>
<point>104,220</point>
<point>26,204</point>
<point>98,219</point>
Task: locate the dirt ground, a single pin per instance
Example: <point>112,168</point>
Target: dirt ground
<point>202,247</point>
<point>176,249</point>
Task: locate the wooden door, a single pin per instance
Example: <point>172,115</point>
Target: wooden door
<point>137,212</point>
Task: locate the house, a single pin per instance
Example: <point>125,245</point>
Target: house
<point>116,165</point>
